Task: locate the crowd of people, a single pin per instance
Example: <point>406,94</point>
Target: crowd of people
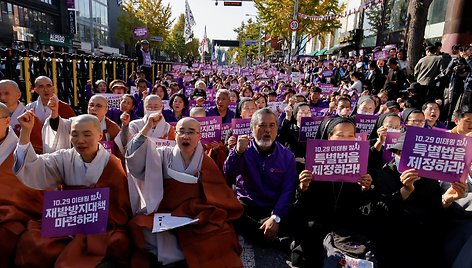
<point>256,185</point>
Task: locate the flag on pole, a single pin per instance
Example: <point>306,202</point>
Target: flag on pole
<point>204,47</point>
<point>189,23</point>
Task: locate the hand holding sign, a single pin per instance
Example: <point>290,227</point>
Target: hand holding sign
<point>455,192</point>
<point>305,178</point>
<point>408,178</point>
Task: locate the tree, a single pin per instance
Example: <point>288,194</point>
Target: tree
<point>247,32</point>
<point>150,13</point>
<point>417,18</point>
<point>174,45</point>
<point>275,15</point>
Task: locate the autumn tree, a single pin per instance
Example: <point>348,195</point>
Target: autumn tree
<point>174,44</point>
<point>150,13</point>
<point>247,32</point>
<point>275,15</point>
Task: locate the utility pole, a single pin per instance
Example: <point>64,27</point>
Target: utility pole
<point>259,47</point>
<point>293,42</point>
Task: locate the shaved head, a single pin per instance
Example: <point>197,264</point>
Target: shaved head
<point>40,78</point>
<point>188,120</point>
<point>85,118</point>
<point>10,83</point>
<point>4,112</point>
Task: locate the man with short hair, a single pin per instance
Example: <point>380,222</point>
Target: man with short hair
<point>266,178</point>
<point>10,95</point>
<point>395,79</point>
<point>45,89</point>
<point>18,203</point>
<point>222,104</point>
<point>144,58</point>
<point>427,70</point>
<point>431,113</point>
<point>86,165</point>
<point>181,180</point>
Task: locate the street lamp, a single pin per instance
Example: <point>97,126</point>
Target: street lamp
<point>260,37</point>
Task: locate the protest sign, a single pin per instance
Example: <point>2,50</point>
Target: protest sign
<point>206,104</point>
<point>113,100</point>
<point>241,126</point>
<point>210,128</point>
<point>390,140</point>
<point>309,126</point>
<point>318,111</point>
<point>277,107</point>
<point>73,212</point>
<point>327,89</point>
<point>380,55</point>
<point>224,131</point>
<point>232,106</point>
<point>327,73</point>
<point>436,154</point>
<point>109,146</point>
<point>365,123</point>
<point>162,142</point>
<point>343,161</point>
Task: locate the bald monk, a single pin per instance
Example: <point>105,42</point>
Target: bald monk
<point>183,181</point>
<point>86,165</point>
<point>163,130</point>
<point>18,203</point>
<point>10,95</point>
<point>44,87</point>
<point>56,129</point>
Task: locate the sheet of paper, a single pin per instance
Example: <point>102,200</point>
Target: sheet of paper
<point>165,221</point>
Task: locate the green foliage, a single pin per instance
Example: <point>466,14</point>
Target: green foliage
<point>275,15</point>
<point>174,45</point>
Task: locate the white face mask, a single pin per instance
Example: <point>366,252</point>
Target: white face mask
<point>146,112</point>
<point>397,161</point>
<point>362,112</point>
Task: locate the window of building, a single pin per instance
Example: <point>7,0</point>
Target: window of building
<point>437,11</point>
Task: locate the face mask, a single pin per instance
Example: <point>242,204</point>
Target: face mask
<point>149,112</point>
<point>397,161</point>
<point>362,112</point>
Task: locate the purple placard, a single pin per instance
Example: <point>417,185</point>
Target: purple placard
<point>188,91</point>
<point>224,131</point>
<point>344,161</point>
<point>73,212</point>
<point>380,55</point>
<point>241,126</point>
<point>140,32</point>
<point>109,146</point>
<point>318,111</point>
<point>309,126</point>
<point>277,107</point>
<point>360,136</point>
<point>210,128</point>
<point>365,123</point>
<point>206,104</point>
<point>232,106</point>
<point>390,140</point>
<point>436,154</point>
<point>327,88</point>
<point>326,62</point>
<point>327,73</point>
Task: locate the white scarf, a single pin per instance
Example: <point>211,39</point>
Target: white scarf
<point>8,145</point>
<point>88,173</point>
<point>174,166</point>
<point>161,129</point>
<point>41,111</point>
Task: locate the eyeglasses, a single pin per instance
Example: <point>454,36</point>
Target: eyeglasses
<point>182,133</point>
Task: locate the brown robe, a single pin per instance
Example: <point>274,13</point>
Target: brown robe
<point>218,154</point>
<point>210,242</point>
<point>65,111</point>
<point>36,135</point>
<point>84,250</point>
<point>18,205</point>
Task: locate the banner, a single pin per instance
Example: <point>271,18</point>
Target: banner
<point>241,126</point>
<point>210,128</point>
<point>343,161</point>
<point>113,100</point>
<point>309,126</point>
<point>436,154</point>
<point>390,140</point>
<point>224,131</point>
<point>365,123</point>
<point>73,212</point>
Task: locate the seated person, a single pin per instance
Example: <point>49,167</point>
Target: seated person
<point>86,165</point>
<point>10,95</point>
<point>431,113</point>
<point>222,106</point>
<point>18,203</point>
<point>183,181</point>
<point>57,130</point>
<point>44,87</point>
<point>127,105</point>
<point>163,130</point>
<point>266,178</point>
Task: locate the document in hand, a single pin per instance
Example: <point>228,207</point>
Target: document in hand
<point>165,221</point>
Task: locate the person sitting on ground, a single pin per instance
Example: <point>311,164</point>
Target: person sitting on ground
<point>184,182</point>
<point>87,165</point>
<point>266,178</point>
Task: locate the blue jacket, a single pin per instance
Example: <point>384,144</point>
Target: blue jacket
<point>264,181</point>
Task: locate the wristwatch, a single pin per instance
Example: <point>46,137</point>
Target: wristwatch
<point>275,218</point>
